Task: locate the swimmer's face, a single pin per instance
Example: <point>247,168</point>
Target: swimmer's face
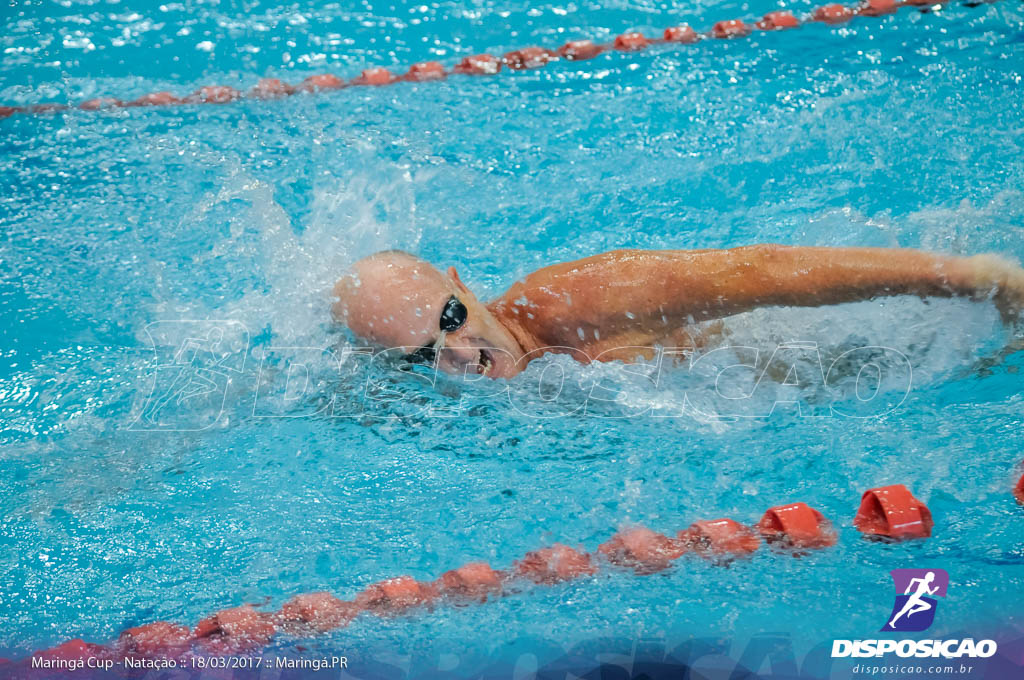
<point>397,300</point>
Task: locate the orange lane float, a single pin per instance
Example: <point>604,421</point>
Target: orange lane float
<point>234,630</point>
<point>642,550</point>
<point>877,8</point>
<point>682,34</point>
<point>214,94</point>
<point>777,21</point>
<point>528,58</point>
<point>796,525</point>
<point>315,613</point>
<point>396,595</point>
<point>719,538</point>
<point>893,512</point>
<point>321,82</point>
<point>733,28</point>
<point>375,77</point>
<point>271,88</point>
<point>156,99</point>
<point>478,65</point>
<point>630,42</point>
<point>424,71</point>
<point>160,639</point>
<point>579,50</point>
<point>475,581</point>
<point>555,564</point>
<point>833,14</point>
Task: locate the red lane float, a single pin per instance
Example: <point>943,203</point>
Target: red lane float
<point>396,595</point>
<point>528,58</point>
<point>425,71</point>
<point>631,42</point>
<point>733,28</point>
<point>271,88</point>
<point>777,21</point>
<point>475,581</point>
<point>375,77</point>
<point>100,103</point>
<point>156,99</point>
<point>555,564</point>
<point>315,613</point>
<point>321,82</point>
<point>1018,491</point>
<point>234,630</point>
<point>796,525</point>
<point>877,8</point>
<point>833,14</point>
<point>155,640</point>
<point>214,94</point>
<point>682,34</point>
<point>642,550</point>
<point>479,65</point>
<point>719,538</point>
<point>893,512</point>
<point>579,50</point>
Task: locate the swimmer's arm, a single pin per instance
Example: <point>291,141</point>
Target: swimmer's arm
<point>744,278</point>
<point>714,283</point>
<point>636,295</point>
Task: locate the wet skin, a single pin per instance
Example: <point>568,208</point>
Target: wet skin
<point>624,303</point>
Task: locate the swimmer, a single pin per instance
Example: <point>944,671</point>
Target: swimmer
<point>622,304</point>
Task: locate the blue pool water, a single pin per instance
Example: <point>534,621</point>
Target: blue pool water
<point>129,231</point>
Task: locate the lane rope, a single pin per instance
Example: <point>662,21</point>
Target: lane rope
<point>889,513</point>
<point>488,65</point>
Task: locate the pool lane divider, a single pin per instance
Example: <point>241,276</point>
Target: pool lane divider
<point>1018,491</point>
<point>886,513</point>
<point>893,512</point>
<point>487,64</point>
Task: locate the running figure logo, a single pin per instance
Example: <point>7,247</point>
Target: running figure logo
<point>914,609</point>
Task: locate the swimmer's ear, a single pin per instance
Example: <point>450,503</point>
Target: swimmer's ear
<point>454,275</point>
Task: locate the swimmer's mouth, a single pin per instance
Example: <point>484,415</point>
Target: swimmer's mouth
<point>428,355</point>
<point>486,362</point>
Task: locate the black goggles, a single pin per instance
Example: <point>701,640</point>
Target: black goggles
<point>453,317</point>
